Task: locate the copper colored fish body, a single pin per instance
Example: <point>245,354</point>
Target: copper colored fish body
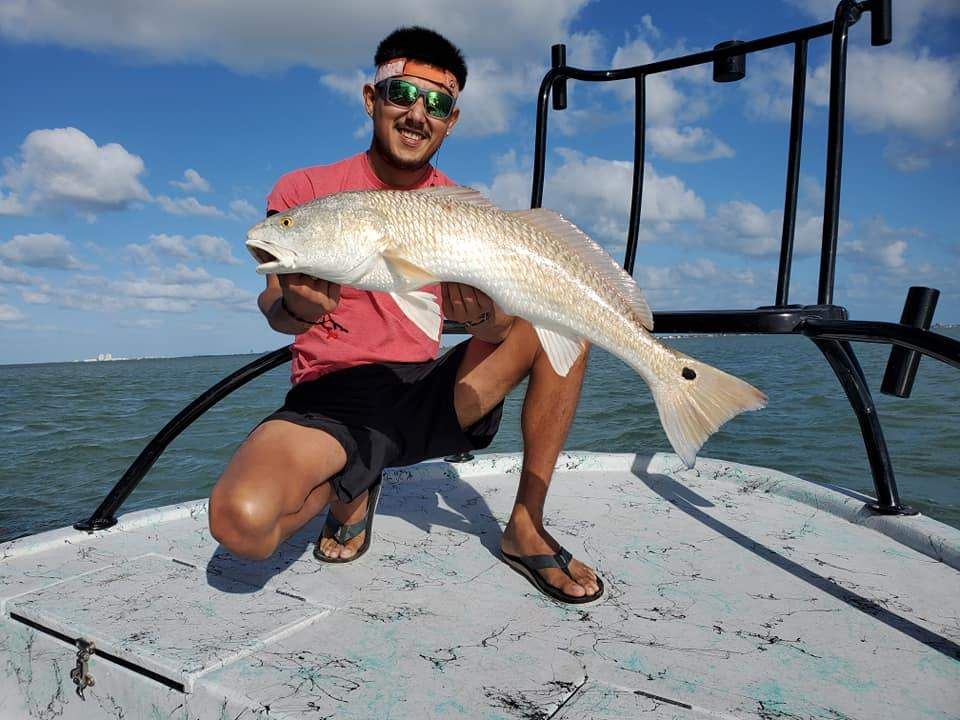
<point>533,263</point>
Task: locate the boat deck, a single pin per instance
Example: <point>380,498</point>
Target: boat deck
<point>732,592</point>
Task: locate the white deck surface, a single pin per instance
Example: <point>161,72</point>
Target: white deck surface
<point>732,592</point>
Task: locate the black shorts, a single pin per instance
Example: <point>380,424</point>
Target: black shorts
<point>387,415</point>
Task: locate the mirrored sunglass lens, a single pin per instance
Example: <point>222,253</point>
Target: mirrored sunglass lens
<point>402,93</point>
<point>438,104</point>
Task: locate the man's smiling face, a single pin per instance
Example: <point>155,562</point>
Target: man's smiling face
<point>407,137</point>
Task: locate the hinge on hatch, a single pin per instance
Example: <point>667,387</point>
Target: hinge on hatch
<point>81,673</point>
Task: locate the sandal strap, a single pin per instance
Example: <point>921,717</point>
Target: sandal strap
<point>541,562</point>
<point>344,532</point>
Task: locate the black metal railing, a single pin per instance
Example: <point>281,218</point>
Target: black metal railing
<point>826,324</point>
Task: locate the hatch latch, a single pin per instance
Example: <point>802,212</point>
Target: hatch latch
<point>81,673</point>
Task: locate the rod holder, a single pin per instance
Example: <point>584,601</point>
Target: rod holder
<point>903,364</point>
<point>729,68</point>
<point>881,22</point>
<point>558,59</point>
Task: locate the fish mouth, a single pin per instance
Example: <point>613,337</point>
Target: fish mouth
<point>268,262</point>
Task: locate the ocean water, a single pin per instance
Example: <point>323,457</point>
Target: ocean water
<point>69,430</point>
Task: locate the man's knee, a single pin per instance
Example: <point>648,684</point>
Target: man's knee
<point>242,524</point>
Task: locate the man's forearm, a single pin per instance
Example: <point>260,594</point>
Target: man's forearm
<point>278,318</point>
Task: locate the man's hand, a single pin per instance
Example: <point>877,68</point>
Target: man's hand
<point>481,316</point>
<point>465,304</point>
<point>307,297</point>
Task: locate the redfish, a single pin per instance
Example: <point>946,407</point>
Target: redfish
<point>534,264</point>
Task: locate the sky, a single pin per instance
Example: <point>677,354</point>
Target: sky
<point>139,139</point>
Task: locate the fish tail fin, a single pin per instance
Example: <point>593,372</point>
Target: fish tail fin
<point>702,399</point>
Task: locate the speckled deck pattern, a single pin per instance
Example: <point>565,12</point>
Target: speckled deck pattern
<point>732,592</point>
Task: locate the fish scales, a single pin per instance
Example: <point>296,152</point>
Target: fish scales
<point>537,269</point>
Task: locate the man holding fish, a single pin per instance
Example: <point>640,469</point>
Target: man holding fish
<point>367,392</point>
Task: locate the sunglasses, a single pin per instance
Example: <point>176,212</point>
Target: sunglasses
<point>403,93</point>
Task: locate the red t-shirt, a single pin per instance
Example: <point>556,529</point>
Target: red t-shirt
<point>376,329</point>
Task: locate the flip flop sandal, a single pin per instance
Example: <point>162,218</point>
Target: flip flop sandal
<point>344,533</point>
<point>527,565</point>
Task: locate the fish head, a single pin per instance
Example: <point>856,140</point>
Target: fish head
<point>334,238</point>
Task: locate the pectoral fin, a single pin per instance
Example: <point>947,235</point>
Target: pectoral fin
<point>562,350</point>
<point>412,276</point>
<point>422,309</point>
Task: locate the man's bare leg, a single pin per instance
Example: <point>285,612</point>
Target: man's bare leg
<point>548,410</point>
<point>487,374</point>
<point>274,484</point>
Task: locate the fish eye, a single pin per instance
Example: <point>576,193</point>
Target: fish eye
<point>286,222</point>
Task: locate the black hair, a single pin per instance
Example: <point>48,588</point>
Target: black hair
<point>420,43</point>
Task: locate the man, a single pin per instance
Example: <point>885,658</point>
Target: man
<point>359,363</point>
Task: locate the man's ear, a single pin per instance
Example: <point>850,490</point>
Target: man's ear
<point>369,98</point>
<point>454,116</point>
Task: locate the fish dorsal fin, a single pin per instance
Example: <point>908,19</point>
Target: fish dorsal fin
<point>411,275</point>
<point>457,193</point>
<point>593,255</point>
<point>562,350</point>
<point>422,309</point>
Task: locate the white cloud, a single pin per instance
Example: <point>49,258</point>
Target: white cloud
<point>897,92</point>
<point>64,166</point>
<point>167,305</point>
<point>10,314</point>
<point>209,247</point>
<point>142,254</point>
<point>214,248</point>
<point>178,290</point>
<point>672,99</point>
<point>664,99</point>
<point>10,204</point>
<point>768,85</point>
<point>192,182</point>
<point>700,283</point>
<point>141,323</point>
<point>908,16</point>
<point>175,290</point>
<point>40,250</point>
<point>912,97</point>
<point>595,193</point>
<point>493,90</point>
<point>255,36</point>
<point>187,206</point>
<point>904,158</point>
<point>172,245</point>
<point>13,276</point>
<point>503,40</point>
<point>586,50</point>
<point>35,298</point>
<point>243,210</point>
<point>349,84</point>
<point>688,144</point>
<point>746,228</point>
<point>882,246</point>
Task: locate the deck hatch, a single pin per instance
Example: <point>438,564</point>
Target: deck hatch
<point>162,617</point>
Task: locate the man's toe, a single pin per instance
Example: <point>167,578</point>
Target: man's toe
<point>560,580</point>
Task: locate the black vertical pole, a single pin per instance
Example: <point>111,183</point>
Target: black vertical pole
<point>558,58</point>
<point>639,154</point>
<point>831,201</point>
<point>555,81</point>
<point>793,171</point>
<point>540,145</point>
<point>844,363</point>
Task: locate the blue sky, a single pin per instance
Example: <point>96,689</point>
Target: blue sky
<point>139,140</point>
